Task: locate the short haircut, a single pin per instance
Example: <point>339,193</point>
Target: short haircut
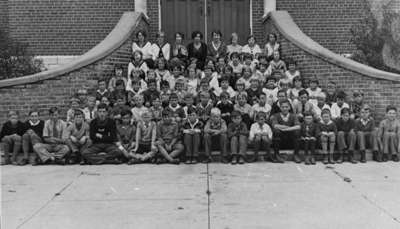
<point>341,95</point>
<point>102,106</point>
<point>314,80</point>
<point>126,112</point>
<point>391,108</point>
<point>118,67</point>
<point>216,32</point>
<point>224,94</point>
<point>235,114</point>
<point>242,95</point>
<point>344,111</point>
<point>173,96</point>
<point>303,92</point>
<point>180,34</point>
<point>325,111</point>
<point>235,54</point>
<point>189,96</point>
<point>152,81</point>
<point>251,36</point>
<point>215,111</point>
<point>33,111</point>
<point>191,110</point>
<point>119,83</point>
<point>283,91</point>
<point>164,83</point>
<point>261,115</point>
<point>276,38</point>
<point>13,113</point>
<point>204,94</point>
<point>297,78</point>
<point>307,113</point>
<point>78,112</point>
<point>141,32</point>
<point>224,78</point>
<point>286,101</point>
<point>165,113</point>
<point>196,33</point>
<point>53,110</point>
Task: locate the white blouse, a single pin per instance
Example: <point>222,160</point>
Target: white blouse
<point>147,50</point>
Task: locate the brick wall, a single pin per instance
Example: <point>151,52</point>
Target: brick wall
<point>3,15</point>
<point>55,27</point>
<point>326,21</point>
<point>58,91</point>
<point>153,13</point>
<point>378,93</point>
<point>257,14</point>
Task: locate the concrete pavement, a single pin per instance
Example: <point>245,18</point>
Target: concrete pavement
<point>258,195</point>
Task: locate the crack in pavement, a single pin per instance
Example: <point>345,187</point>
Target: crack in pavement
<point>35,213</point>
<point>208,197</point>
<point>364,196</point>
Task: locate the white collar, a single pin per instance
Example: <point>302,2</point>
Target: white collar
<point>34,124</point>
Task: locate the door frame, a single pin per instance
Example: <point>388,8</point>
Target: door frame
<point>205,18</point>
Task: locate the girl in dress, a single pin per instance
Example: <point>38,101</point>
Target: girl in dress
<point>271,46</point>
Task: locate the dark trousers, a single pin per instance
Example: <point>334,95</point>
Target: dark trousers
<point>261,143</point>
<point>309,146</point>
<point>12,145</point>
<point>285,140</point>
<point>29,139</point>
<point>209,139</point>
<point>101,153</point>
<point>192,142</point>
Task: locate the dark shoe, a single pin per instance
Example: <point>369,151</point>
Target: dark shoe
<point>307,160</point>
<point>326,159</point>
<point>175,161</point>
<point>297,158</point>
<point>385,157</point>
<point>194,161</point>
<point>224,160</point>
<point>60,161</point>
<point>339,160</point>
<point>23,162</point>
<point>351,158</point>
<point>278,158</point>
<point>378,157</point>
<point>268,157</point>
<point>13,162</point>
<point>206,160</point>
<point>312,160</point>
<point>395,158</point>
<point>234,160</point>
<point>331,160</point>
<point>363,157</point>
<point>240,160</point>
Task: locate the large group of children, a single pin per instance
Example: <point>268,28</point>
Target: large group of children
<point>180,103</point>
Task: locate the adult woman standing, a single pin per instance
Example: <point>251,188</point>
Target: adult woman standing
<point>234,46</point>
<point>178,50</point>
<point>216,47</point>
<point>271,46</point>
<point>197,49</point>
<point>144,46</point>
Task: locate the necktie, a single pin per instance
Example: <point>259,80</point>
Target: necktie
<point>55,132</point>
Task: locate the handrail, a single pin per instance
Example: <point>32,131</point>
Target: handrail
<point>288,28</point>
<point>121,32</point>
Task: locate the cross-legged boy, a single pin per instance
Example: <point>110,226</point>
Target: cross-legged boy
<point>309,133</point>
<point>366,134</point>
<point>192,129</point>
<point>328,136</point>
<point>388,136</point>
<point>145,148</point>
<point>346,136</point>
<point>33,134</point>
<point>103,134</point>
<point>78,137</point>
<point>168,143</point>
<point>215,131</point>
<point>286,128</point>
<point>54,148</point>
<point>238,137</point>
<point>10,136</point>
<point>261,135</point>
<point>126,133</point>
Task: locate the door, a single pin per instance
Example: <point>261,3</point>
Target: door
<point>186,16</point>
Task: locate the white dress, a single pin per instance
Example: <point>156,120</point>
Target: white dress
<point>147,50</point>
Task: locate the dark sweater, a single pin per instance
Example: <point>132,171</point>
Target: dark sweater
<point>368,127</point>
<point>200,54</point>
<point>107,128</point>
<point>38,129</point>
<point>237,129</point>
<point>329,127</point>
<point>311,130</point>
<point>252,95</point>
<point>9,129</point>
<point>345,126</point>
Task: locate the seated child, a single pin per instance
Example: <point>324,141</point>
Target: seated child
<point>189,103</point>
<point>164,94</point>
<point>225,88</point>
<point>313,91</point>
<point>156,110</point>
<point>328,136</point>
<point>243,108</point>
<point>276,106</point>
<point>321,105</point>
<point>211,78</point>
<point>366,135</point>
<point>118,107</point>
<point>388,136</point>
<point>11,137</point>
<point>82,96</point>
<point>237,135</point>
<point>253,92</point>
<point>337,107</point>
<point>277,64</point>
<point>102,91</point>
<point>33,134</point>
<point>162,72</point>
<point>237,67</point>
<point>286,129</point>
<point>309,133</point>
<point>137,63</point>
<point>90,110</point>
<point>298,86</point>
<point>151,93</point>
<point>112,84</point>
<point>225,106</point>
<point>168,143</point>
<point>292,72</point>
<point>246,77</point>
<point>126,133</point>
<point>303,105</point>
<point>263,73</point>
<point>261,135</point>
<point>74,106</point>
<point>192,129</point>
<point>54,147</point>
<point>119,91</point>
<point>145,148</point>
<point>271,90</point>
<point>136,83</point>
<point>331,93</point>
<point>139,109</point>
<point>357,104</point>
<point>346,136</point>
<point>193,81</point>
<point>78,137</point>
<point>215,131</point>
<point>176,110</point>
<point>204,107</point>
<point>261,106</point>
<point>180,91</point>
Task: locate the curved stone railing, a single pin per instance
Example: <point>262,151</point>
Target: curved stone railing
<point>284,23</point>
<point>117,37</point>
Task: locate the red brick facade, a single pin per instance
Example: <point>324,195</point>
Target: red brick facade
<point>72,27</point>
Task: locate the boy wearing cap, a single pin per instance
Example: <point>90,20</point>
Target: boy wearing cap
<point>238,137</point>
<point>192,129</point>
<point>366,134</point>
<point>11,136</point>
<point>168,143</point>
<point>215,131</point>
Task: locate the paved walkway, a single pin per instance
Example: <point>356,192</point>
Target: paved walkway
<point>260,195</point>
